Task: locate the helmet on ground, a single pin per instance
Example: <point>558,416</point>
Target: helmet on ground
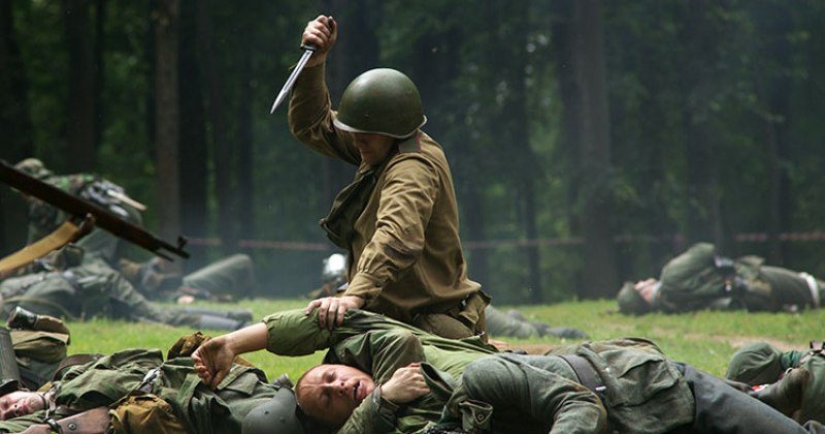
<point>276,415</point>
<point>754,364</point>
<point>631,302</point>
<point>381,101</point>
<point>34,168</point>
<point>335,270</point>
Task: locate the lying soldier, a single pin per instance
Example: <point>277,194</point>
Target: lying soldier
<point>372,382</point>
<point>136,391</point>
<point>700,278</point>
<point>760,363</point>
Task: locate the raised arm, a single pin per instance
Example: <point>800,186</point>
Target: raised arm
<point>214,357</point>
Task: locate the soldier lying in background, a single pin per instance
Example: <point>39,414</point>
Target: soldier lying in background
<point>499,324</point>
<point>44,218</point>
<point>86,287</point>
<point>702,279</point>
<point>226,280</point>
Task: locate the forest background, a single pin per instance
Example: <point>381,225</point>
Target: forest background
<point>589,141</point>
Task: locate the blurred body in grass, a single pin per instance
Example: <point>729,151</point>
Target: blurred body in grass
<point>89,287</point>
<point>701,278</point>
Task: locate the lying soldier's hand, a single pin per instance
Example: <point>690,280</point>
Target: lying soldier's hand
<point>406,384</point>
<point>213,359</point>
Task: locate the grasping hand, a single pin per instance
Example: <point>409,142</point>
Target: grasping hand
<point>331,310</point>
<point>213,360</point>
<point>322,32</point>
<point>406,384</point>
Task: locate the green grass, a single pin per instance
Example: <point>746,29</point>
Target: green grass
<point>704,339</point>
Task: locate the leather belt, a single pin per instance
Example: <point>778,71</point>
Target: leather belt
<point>587,375</point>
<point>590,378</point>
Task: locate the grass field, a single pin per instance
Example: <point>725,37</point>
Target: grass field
<point>705,339</point>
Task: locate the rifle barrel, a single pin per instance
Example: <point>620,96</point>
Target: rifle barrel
<point>80,207</point>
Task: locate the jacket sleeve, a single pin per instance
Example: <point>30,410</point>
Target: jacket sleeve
<point>311,115</point>
<point>537,397</point>
<point>404,212</point>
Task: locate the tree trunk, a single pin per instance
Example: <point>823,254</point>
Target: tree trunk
<point>99,69</point>
<point>216,113</point>
<point>245,165</point>
<point>775,91</point>
<point>193,168</point>
<point>81,129</point>
<point>167,119</point>
<point>704,216</point>
<point>16,127</point>
<point>600,277</point>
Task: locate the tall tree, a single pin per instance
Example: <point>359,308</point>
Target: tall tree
<point>193,144</point>
<point>590,120</point>
<point>81,126</point>
<point>167,120</point>
<point>773,86</point>
<point>245,166</point>
<point>518,136</point>
<point>216,113</point>
<point>16,126</point>
<point>704,219</point>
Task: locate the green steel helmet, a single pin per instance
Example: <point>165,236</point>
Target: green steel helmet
<point>277,415</point>
<point>381,101</point>
<point>754,364</point>
<point>631,302</point>
<point>34,168</point>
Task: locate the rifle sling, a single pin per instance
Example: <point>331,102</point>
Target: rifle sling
<point>66,233</point>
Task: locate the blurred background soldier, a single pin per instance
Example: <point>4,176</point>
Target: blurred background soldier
<point>44,218</point>
<point>702,279</point>
<point>91,288</point>
<point>228,279</point>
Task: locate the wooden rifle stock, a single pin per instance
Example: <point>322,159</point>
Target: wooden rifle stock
<point>80,208</point>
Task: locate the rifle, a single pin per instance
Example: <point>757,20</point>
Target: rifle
<point>80,208</point>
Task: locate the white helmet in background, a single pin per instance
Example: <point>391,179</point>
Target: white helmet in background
<point>334,272</point>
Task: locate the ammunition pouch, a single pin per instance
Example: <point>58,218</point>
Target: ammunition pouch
<point>144,413</point>
<point>348,206</point>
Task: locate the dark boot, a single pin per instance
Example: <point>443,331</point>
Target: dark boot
<point>512,313</point>
<point>786,394</point>
<point>209,322</point>
<point>238,315</point>
<point>560,332</point>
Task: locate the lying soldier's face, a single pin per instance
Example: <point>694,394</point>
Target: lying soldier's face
<point>20,403</point>
<point>330,392</point>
